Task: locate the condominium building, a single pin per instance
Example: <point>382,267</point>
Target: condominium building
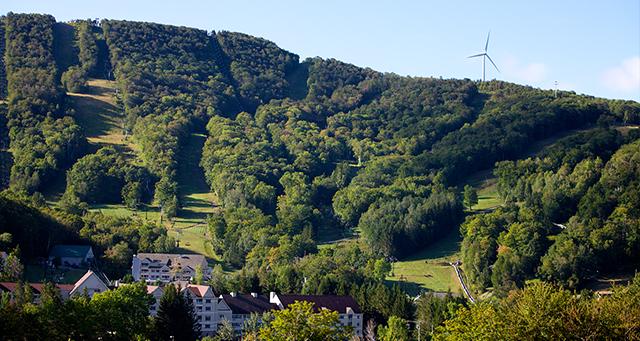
<point>167,267</point>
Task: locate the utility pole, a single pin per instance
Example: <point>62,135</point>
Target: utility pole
<point>555,91</point>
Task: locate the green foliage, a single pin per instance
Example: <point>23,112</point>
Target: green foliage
<point>116,314</point>
<point>170,78</point>
<point>120,238</point>
<point>11,269</point>
<point>41,144</point>
<point>393,226</point>
<point>176,316</point>
<point>87,46</point>
<point>258,66</point>
<point>124,310</point>
<point>299,322</point>
<point>32,227</point>
<point>396,330</point>
<point>106,177</point>
<point>74,79</point>
<point>542,311</point>
<point>432,311</point>
<point>470,196</point>
<point>571,220</point>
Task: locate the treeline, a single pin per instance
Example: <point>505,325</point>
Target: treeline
<point>512,118</point>
<point>36,228</point>
<point>107,177</point>
<point>84,40</point>
<point>569,211</point>
<point>44,138</point>
<point>259,67</point>
<point>3,71</point>
<point>170,82</point>
<point>544,312</point>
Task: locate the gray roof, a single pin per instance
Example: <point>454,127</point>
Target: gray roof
<point>183,260</point>
<point>70,251</point>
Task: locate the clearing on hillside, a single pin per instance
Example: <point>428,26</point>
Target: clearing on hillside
<point>429,269</point>
<point>97,113</point>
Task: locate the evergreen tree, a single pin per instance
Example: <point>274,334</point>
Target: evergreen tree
<point>176,316</point>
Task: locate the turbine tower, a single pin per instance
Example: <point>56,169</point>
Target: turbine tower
<point>484,56</point>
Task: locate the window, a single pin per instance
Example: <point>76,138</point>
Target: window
<point>207,326</point>
<point>207,318</point>
<point>207,308</point>
<point>208,300</point>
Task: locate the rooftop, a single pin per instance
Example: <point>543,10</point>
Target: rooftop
<point>183,260</point>
<point>71,251</point>
<point>247,304</point>
<point>331,302</point>
<point>36,287</point>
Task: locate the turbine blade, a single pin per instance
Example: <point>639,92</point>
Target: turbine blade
<point>486,46</point>
<point>494,64</point>
<point>477,55</point>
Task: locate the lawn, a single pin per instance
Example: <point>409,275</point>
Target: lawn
<point>485,184</point>
<point>429,269</point>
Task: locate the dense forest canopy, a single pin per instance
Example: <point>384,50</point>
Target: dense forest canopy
<point>296,151</point>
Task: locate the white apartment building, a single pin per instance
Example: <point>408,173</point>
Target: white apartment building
<point>167,267</point>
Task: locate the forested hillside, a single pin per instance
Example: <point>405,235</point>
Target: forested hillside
<point>303,152</point>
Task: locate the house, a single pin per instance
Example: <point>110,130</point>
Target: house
<point>91,283</point>
<point>244,305</point>
<point>346,306</point>
<point>36,289</point>
<point>166,267</point>
<point>71,255</point>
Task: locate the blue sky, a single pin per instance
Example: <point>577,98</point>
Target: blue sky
<point>590,47</point>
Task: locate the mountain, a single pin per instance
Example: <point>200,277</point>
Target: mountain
<point>240,151</point>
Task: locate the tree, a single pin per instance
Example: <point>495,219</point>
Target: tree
<point>370,331</point>
<point>123,311</point>
<point>299,322</point>
<point>225,331</point>
<point>396,330</point>
<point>132,194</point>
<point>74,79</point>
<point>251,327</point>
<point>199,276</point>
<point>176,316</point>
<point>12,270</point>
<point>470,196</point>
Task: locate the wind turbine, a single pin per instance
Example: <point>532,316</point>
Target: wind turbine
<point>484,56</point>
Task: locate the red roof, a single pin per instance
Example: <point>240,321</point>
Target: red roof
<point>331,302</point>
<point>36,287</point>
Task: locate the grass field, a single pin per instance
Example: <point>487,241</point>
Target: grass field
<point>485,183</point>
<point>96,112</point>
<point>429,269</point>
